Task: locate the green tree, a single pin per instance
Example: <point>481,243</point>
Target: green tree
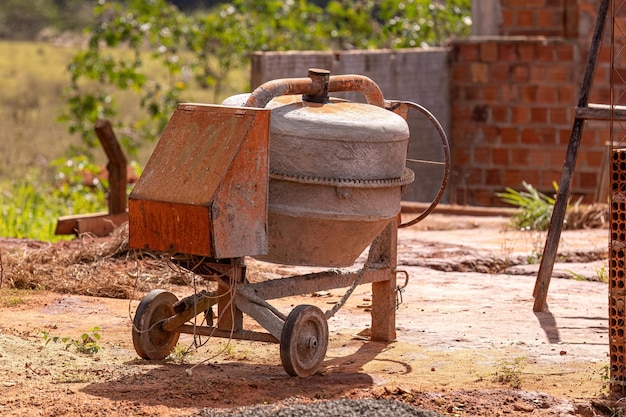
<point>353,25</point>
<point>205,46</point>
<point>413,23</point>
<point>276,25</point>
<point>119,39</point>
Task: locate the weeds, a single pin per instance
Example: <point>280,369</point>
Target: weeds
<point>31,206</point>
<point>87,344</point>
<point>509,372</point>
<point>13,297</point>
<point>605,377</point>
<point>601,274</point>
<point>575,275</point>
<point>180,354</point>
<point>536,208</point>
<point>533,258</point>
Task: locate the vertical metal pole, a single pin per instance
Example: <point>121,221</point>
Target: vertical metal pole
<point>558,214</point>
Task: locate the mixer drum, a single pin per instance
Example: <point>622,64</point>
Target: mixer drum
<point>336,174</point>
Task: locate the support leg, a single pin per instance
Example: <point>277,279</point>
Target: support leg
<point>230,318</point>
<point>384,292</point>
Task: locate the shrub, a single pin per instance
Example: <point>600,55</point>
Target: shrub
<point>536,208</point>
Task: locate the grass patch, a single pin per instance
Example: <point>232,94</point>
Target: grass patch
<point>10,297</point>
<point>180,354</point>
<point>509,372</point>
<point>30,206</point>
<point>535,210</point>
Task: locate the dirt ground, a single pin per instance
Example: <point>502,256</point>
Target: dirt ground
<point>468,341</point>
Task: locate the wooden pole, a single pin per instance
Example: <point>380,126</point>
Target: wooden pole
<point>558,214</point>
<point>116,166</point>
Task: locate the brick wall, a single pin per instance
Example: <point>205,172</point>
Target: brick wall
<point>513,101</point>
<point>539,17</point>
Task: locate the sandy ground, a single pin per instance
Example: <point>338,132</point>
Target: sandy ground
<point>468,340</point>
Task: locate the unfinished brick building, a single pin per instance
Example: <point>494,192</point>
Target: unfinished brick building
<point>514,87</point>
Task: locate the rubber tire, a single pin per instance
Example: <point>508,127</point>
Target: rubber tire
<point>152,342</point>
<point>304,341</point>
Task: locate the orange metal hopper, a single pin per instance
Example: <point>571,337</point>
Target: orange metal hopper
<point>204,189</point>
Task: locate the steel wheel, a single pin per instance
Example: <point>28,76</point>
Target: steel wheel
<point>303,341</point>
<point>149,339</point>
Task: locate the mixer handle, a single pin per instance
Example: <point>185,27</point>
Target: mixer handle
<point>395,106</point>
<point>316,87</point>
<point>358,83</point>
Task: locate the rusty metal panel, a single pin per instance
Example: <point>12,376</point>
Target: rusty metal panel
<point>239,212</point>
<point>195,151</point>
<point>204,189</point>
<point>169,227</point>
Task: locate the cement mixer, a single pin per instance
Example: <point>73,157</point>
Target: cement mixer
<point>288,175</point>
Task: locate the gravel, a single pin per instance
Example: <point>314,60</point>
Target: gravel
<point>343,408</point>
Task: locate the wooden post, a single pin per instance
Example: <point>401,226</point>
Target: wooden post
<point>558,214</point>
<point>116,166</point>
<point>102,224</point>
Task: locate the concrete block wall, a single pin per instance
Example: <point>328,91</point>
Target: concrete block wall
<point>417,75</point>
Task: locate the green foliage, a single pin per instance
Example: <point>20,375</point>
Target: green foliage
<point>365,24</point>
<point>353,25</point>
<point>199,50</point>
<point>98,71</point>
<point>78,186</point>
<point>180,354</point>
<point>30,206</point>
<point>534,257</point>
<point>157,53</point>
<point>277,25</point>
<point>26,211</point>
<point>413,23</point>
<point>509,372</point>
<point>536,208</point>
<point>12,297</point>
<point>87,344</point>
